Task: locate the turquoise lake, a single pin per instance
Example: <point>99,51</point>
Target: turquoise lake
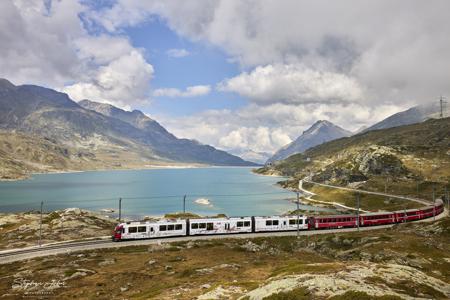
<point>232,191</point>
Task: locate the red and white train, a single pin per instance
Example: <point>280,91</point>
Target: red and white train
<point>210,226</point>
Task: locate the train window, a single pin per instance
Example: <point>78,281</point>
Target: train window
<point>162,227</point>
<point>202,225</point>
<point>240,224</point>
<point>132,229</point>
<point>292,222</point>
<point>275,222</point>
<point>269,223</point>
<point>171,227</point>
<point>142,229</point>
<point>300,222</point>
<point>151,229</point>
<point>178,227</point>
<point>194,225</point>
<point>247,224</point>
<point>210,226</point>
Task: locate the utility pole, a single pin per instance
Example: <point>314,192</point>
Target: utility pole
<point>358,200</point>
<point>418,183</point>
<point>298,217</point>
<point>442,103</point>
<point>434,203</point>
<point>448,200</point>
<point>120,209</point>
<point>184,204</point>
<point>40,225</point>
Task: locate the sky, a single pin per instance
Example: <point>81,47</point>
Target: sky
<point>244,76</point>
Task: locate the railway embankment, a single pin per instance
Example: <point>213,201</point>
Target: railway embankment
<point>18,230</point>
<point>405,261</point>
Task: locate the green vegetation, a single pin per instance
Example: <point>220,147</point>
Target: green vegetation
<point>352,295</point>
<point>240,266</point>
<point>295,294</point>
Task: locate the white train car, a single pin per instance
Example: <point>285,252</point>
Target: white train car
<point>220,225</point>
<point>280,223</point>
<point>150,229</point>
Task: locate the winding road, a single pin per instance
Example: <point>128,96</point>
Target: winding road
<point>13,255</point>
<point>422,201</point>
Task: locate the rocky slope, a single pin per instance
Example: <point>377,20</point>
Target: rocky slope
<point>413,115</point>
<point>111,137</point>
<point>320,132</point>
<point>163,142</point>
<point>408,155</point>
<point>408,261</point>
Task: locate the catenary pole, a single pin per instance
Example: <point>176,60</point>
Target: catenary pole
<point>434,202</point>
<point>184,204</point>
<point>40,225</point>
<point>357,199</point>
<point>298,217</point>
<point>448,200</point>
<point>120,209</point>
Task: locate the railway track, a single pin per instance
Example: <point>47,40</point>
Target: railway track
<point>13,255</point>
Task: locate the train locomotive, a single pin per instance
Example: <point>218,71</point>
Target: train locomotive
<point>213,226</point>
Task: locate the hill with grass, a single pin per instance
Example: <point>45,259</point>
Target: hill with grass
<point>414,157</point>
<point>44,130</point>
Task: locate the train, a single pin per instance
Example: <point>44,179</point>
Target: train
<point>134,230</point>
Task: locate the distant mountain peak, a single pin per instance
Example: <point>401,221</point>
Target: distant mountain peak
<point>6,84</point>
<point>320,132</point>
<point>415,114</point>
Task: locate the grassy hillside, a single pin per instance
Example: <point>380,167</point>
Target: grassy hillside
<point>404,160</point>
<point>22,154</point>
<point>408,260</point>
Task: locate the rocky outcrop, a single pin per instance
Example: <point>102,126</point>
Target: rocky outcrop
<point>362,163</point>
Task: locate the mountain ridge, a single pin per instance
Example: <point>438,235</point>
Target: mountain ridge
<point>415,114</point>
<point>48,114</point>
<point>320,132</point>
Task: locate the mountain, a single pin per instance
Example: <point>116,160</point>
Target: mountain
<point>405,155</point>
<point>360,129</point>
<point>162,141</point>
<point>109,138</point>
<point>251,155</point>
<point>416,114</point>
<point>320,132</point>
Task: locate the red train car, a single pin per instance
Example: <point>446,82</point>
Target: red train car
<point>374,219</point>
<point>339,221</point>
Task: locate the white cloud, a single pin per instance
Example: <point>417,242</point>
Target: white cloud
<point>191,91</point>
<point>45,43</point>
<point>177,53</point>
<point>396,51</point>
<point>123,82</point>
<point>293,84</point>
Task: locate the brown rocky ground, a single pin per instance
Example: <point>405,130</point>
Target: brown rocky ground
<point>409,261</point>
<point>22,229</point>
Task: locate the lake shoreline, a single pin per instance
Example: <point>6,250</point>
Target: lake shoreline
<point>149,167</point>
<point>230,190</point>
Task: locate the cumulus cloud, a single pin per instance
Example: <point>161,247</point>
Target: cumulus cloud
<point>398,52</point>
<point>46,43</point>
<point>177,53</point>
<point>263,129</point>
<point>191,91</point>
<point>36,42</point>
<point>123,82</point>
<point>293,84</point>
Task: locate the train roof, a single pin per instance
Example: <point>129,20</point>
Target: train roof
<point>333,216</point>
<point>153,222</point>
